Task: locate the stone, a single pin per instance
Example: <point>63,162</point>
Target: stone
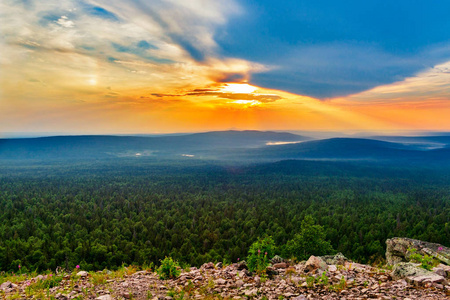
<point>423,279</point>
<point>403,270</point>
<point>276,259</point>
<point>219,265</point>
<point>338,259</point>
<point>82,274</point>
<point>315,263</point>
<point>280,266</point>
<point>251,293</point>
<point>242,265</point>
<point>221,281</point>
<point>439,271</point>
<point>208,266</point>
<point>6,285</point>
<point>104,297</point>
<point>332,268</point>
<point>299,297</point>
<point>239,283</point>
<point>397,250</point>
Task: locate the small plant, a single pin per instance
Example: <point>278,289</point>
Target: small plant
<point>342,283</point>
<point>323,279</point>
<point>426,262</point>
<point>310,281</point>
<point>99,278</point>
<point>149,295</point>
<point>259,253</point>
<point>365,283</point>
<point>168,269</point>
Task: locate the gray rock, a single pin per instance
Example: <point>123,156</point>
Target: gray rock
<point>219,265</point>
<point>397,250</point>
<point>104,297</point>
<point>403,270</point>
<point>338,259</point>
<point>299,297</point>
<point>277,259</point>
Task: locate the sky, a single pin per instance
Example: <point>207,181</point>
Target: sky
<point>165,66</point>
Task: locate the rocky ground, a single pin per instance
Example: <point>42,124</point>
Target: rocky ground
<point>342,280</point>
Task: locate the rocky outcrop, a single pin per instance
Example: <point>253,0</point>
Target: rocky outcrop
<point>397,250</point>
<point>350,281</point>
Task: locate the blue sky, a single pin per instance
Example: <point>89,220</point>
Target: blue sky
<point>331,48</point>
<point>127,66</point>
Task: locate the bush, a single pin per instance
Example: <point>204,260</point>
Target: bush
<point>309,241</point>
<point>168,269</point>
<point>259,253</point>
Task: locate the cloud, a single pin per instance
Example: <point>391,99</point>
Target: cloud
<point>426,86</point>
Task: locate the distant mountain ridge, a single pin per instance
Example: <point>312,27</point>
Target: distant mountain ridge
<point>243,146</point>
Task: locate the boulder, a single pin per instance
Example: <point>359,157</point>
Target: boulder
<point>315,263</point>
<point>422,279</point>
<point>82,274</point>
<point>397,250</point>
<point>338,259</point>
<point>276,259</point>
<point>403,270</point>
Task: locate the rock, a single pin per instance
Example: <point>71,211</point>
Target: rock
<point>39,277</point>
<point>257,280</point>
<point>221,281</point>
<point>439,271</point>
<point>276,259</point>
<point>403,270</point>
<point>300,297</point>
<point>82,274</point>
<point>338,259</point>
<point>315,263</point>
<point>104,297</point>
<point>207,266</point>
<point>332,268</point>
<point>239,283</point>
<point>242,265</point>
<point>251,293</point>
<point>280,266</point>
<point>6,285</point>
<point>397,250</point>
<point>423,279</point>
<point>270,271</point>
<point>219,265</point>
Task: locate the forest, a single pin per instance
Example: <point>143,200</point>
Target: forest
<point>107,213</point>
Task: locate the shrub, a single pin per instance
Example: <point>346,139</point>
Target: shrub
<point>259,253</point>
<point>168,269</point>
<point>309,241</point>
<point>426,262</point>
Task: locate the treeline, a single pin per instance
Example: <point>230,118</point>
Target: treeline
<point>109,214</point>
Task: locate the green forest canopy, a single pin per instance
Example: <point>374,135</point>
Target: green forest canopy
<point>104,214</point>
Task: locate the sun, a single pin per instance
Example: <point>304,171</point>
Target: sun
<point>238,88</point>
